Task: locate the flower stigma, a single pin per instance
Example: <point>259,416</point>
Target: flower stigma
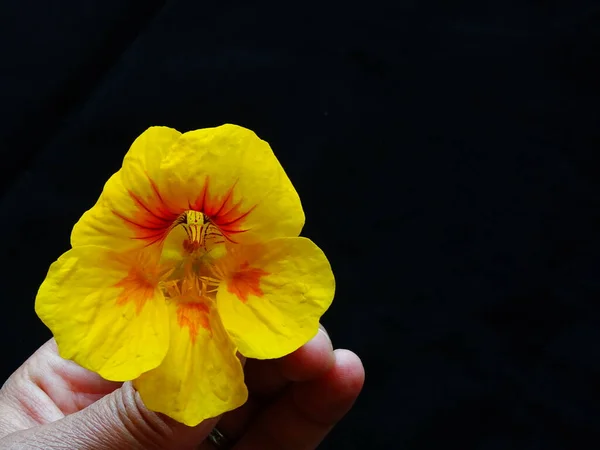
<point>200,231</point>
<point>190,280</point>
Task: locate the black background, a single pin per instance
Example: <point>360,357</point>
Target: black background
<point>445,153</point>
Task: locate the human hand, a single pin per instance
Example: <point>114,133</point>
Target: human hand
<point>51,403</point>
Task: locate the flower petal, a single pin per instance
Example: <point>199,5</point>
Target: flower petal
<point>233,177</point>
<point>145,156</point>
<point>273,295</point>
<point>100,226</point>
<point>131,211</point>
<point>103,313</point>
<point>200,377</point>
<point>227,173</point>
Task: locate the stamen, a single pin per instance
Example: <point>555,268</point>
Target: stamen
<point>196,274</point>
<point>210,280</point>
<point>201,232</point>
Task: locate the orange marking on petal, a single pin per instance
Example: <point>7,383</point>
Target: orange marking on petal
<point>223,212</point>
<point>200,201</point>
<point>154,218</point>
<point>136,288</point>
<point>194,316</point>
<point>225,200</point>
<point>246,281</point>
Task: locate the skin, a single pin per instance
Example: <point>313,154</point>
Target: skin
<point>52,403</point>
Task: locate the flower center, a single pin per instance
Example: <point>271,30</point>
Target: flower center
<point>201,232</point>
<point>191,284</point>
<point>192,276</point>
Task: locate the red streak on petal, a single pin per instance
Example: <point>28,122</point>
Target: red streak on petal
<point>136,289</point>
<point>200,202</point>
<point>223,212</point>
<point>136,224</point>
<point>246,281</point>
<point>226,199</point>
<point>193,316</point>
<point>154,218</point>
<point>151,214</point>
<point>235,217</point>
<point>162,206</point>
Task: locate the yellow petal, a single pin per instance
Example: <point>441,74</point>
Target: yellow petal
<point>227,173</point>
<point>144,158</point>
<point>104,313</point>
<point>100,226</point>
<point>200,377</point>
<point>233,177</point>
<point>273,295</point>
<point>131,212</point>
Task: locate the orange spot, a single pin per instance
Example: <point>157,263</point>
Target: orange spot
<point>136,288</point>
<point>246,281</point>
<point>156,215</point>
<point>193,315</point>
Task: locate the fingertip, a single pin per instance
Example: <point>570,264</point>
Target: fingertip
<point>304,415</point>
<point>310,361</point>
<point>322,329</point>
<point>328,398</point>
<point>348,372</point>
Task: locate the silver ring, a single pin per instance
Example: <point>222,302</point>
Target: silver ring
<point>218,439</point>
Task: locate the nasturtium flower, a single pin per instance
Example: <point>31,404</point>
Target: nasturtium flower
<point>190,257</point>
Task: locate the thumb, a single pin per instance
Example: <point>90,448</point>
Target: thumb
<point>117,421</point>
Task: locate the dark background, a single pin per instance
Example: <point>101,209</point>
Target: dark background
<point>446,154</point>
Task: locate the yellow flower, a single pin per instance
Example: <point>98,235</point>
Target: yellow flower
<point>190,255</point>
